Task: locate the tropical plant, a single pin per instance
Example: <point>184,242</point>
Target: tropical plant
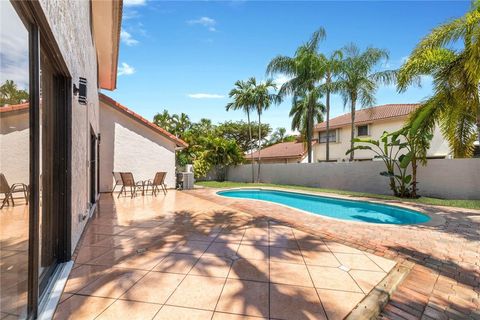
<point>164,120</point>
<point>389,149</point>
<point>332,68</point>
<point>280,135</point>
<point>301,112</point>
<point>262,99</point>
<point>357,81</point>
<point>240,132</point>
<point>11,94</point>
<point>305,70</point>
<point>242,96</point>
<point>417,146</point>
<point>455,104</point>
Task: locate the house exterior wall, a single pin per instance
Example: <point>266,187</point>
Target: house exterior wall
<point>438,147</point>
<point>14,144</point>
<point>129,146</point>
<point>71,26</point>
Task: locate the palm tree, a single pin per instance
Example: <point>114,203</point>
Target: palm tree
<point>455,104</point>
<point>332,68</point>
<point>262,99</point>
<point>300,111</point>
<point>181,123</point>
<point>358,82</point>
<point>306,69</point>
<point>242,100</point>
<point>11,94</point>
<point>163,120</point>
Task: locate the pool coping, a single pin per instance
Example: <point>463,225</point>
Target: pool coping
<point>435,219</point>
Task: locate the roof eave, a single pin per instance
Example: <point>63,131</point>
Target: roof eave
<point>107,21</point>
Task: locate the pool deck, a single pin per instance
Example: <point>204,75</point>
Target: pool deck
<point>444,256</point>
<point>181,256</point>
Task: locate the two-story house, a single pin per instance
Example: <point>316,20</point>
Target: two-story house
<point>371,123</point>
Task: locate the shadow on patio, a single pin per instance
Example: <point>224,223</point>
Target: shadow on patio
<point>180,256</point>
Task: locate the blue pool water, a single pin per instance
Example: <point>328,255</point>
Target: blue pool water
<point>335,208</point>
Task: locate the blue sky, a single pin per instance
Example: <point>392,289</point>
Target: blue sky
<point>185,56</point>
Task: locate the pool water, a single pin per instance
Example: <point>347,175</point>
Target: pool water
<point>352,210</point>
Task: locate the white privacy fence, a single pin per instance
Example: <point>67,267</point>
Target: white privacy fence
<point>445,178</point>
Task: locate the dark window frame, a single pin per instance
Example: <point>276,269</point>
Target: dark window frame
<point>367,126</point>
<point>40,37</point>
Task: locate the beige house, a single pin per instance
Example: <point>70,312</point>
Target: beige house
<point>283,152</point>
<point>130,143</point>
<point>61,53</point>
<point>371,122</point>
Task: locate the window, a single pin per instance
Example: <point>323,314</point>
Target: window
<point>362,130</point>
<point>322,136</point>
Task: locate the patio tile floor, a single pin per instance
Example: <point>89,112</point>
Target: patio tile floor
<point>182,257</point>
<point>444,259</point>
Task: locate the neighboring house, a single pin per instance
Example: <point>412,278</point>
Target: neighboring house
<point>62,53</point>
<point>283,152</point>
<point>371,123</point>
<point>130,143</point>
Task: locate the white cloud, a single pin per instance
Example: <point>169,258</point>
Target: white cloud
<point>207,22</point>
<point>279,80</point>
<point>127,38</point>
<point>13,48</point>
<point>131,3</point>
<point>205,96</point>
<point>125,69</point>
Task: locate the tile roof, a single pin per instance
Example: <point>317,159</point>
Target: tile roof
<point>372,114</point>
<point>15,107</point>
<point>142,120</point>
<point>293,149</point>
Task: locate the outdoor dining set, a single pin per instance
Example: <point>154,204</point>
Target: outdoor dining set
<point>128,182</point>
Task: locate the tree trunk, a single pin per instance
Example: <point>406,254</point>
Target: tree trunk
<point>478,116</point>
<point>327,146</point>
<point>259,143</point>
<point>251,152</point>
<point>352,133</point>
<point>309,128</point>
<point>414,177</point>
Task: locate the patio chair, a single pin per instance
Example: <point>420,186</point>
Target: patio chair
<point>158,181</point>
<point>9,190</point>
<point>118,180</point>
<point>129,181</point>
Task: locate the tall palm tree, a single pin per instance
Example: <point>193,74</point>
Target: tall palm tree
<point>300,111</point>
<point>181,122</point>
<point>164,120</point>
<point>332,68</point>
<point>306,69</point>
<point>262,99</point>
<point>242,100</point>
<point>455,104</point>
<point>357,81</point>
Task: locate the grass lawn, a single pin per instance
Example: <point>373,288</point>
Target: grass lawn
<point>468,204</point>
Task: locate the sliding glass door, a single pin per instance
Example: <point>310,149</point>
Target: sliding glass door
<point>14,163</point>
<point>34,162</point>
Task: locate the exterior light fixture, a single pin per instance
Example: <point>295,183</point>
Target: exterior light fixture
<point>81,90</point>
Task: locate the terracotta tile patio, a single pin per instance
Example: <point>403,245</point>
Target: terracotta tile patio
<point>444,282</point>
<point>183,257</point>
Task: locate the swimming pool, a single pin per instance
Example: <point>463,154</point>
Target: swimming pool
<point>352,210</point>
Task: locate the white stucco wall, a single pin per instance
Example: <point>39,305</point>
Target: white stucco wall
<point>129,146</point>
<point>442,178</point>
<point>14,146</point>
<point>69,21</point>
<point>438,147</point>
